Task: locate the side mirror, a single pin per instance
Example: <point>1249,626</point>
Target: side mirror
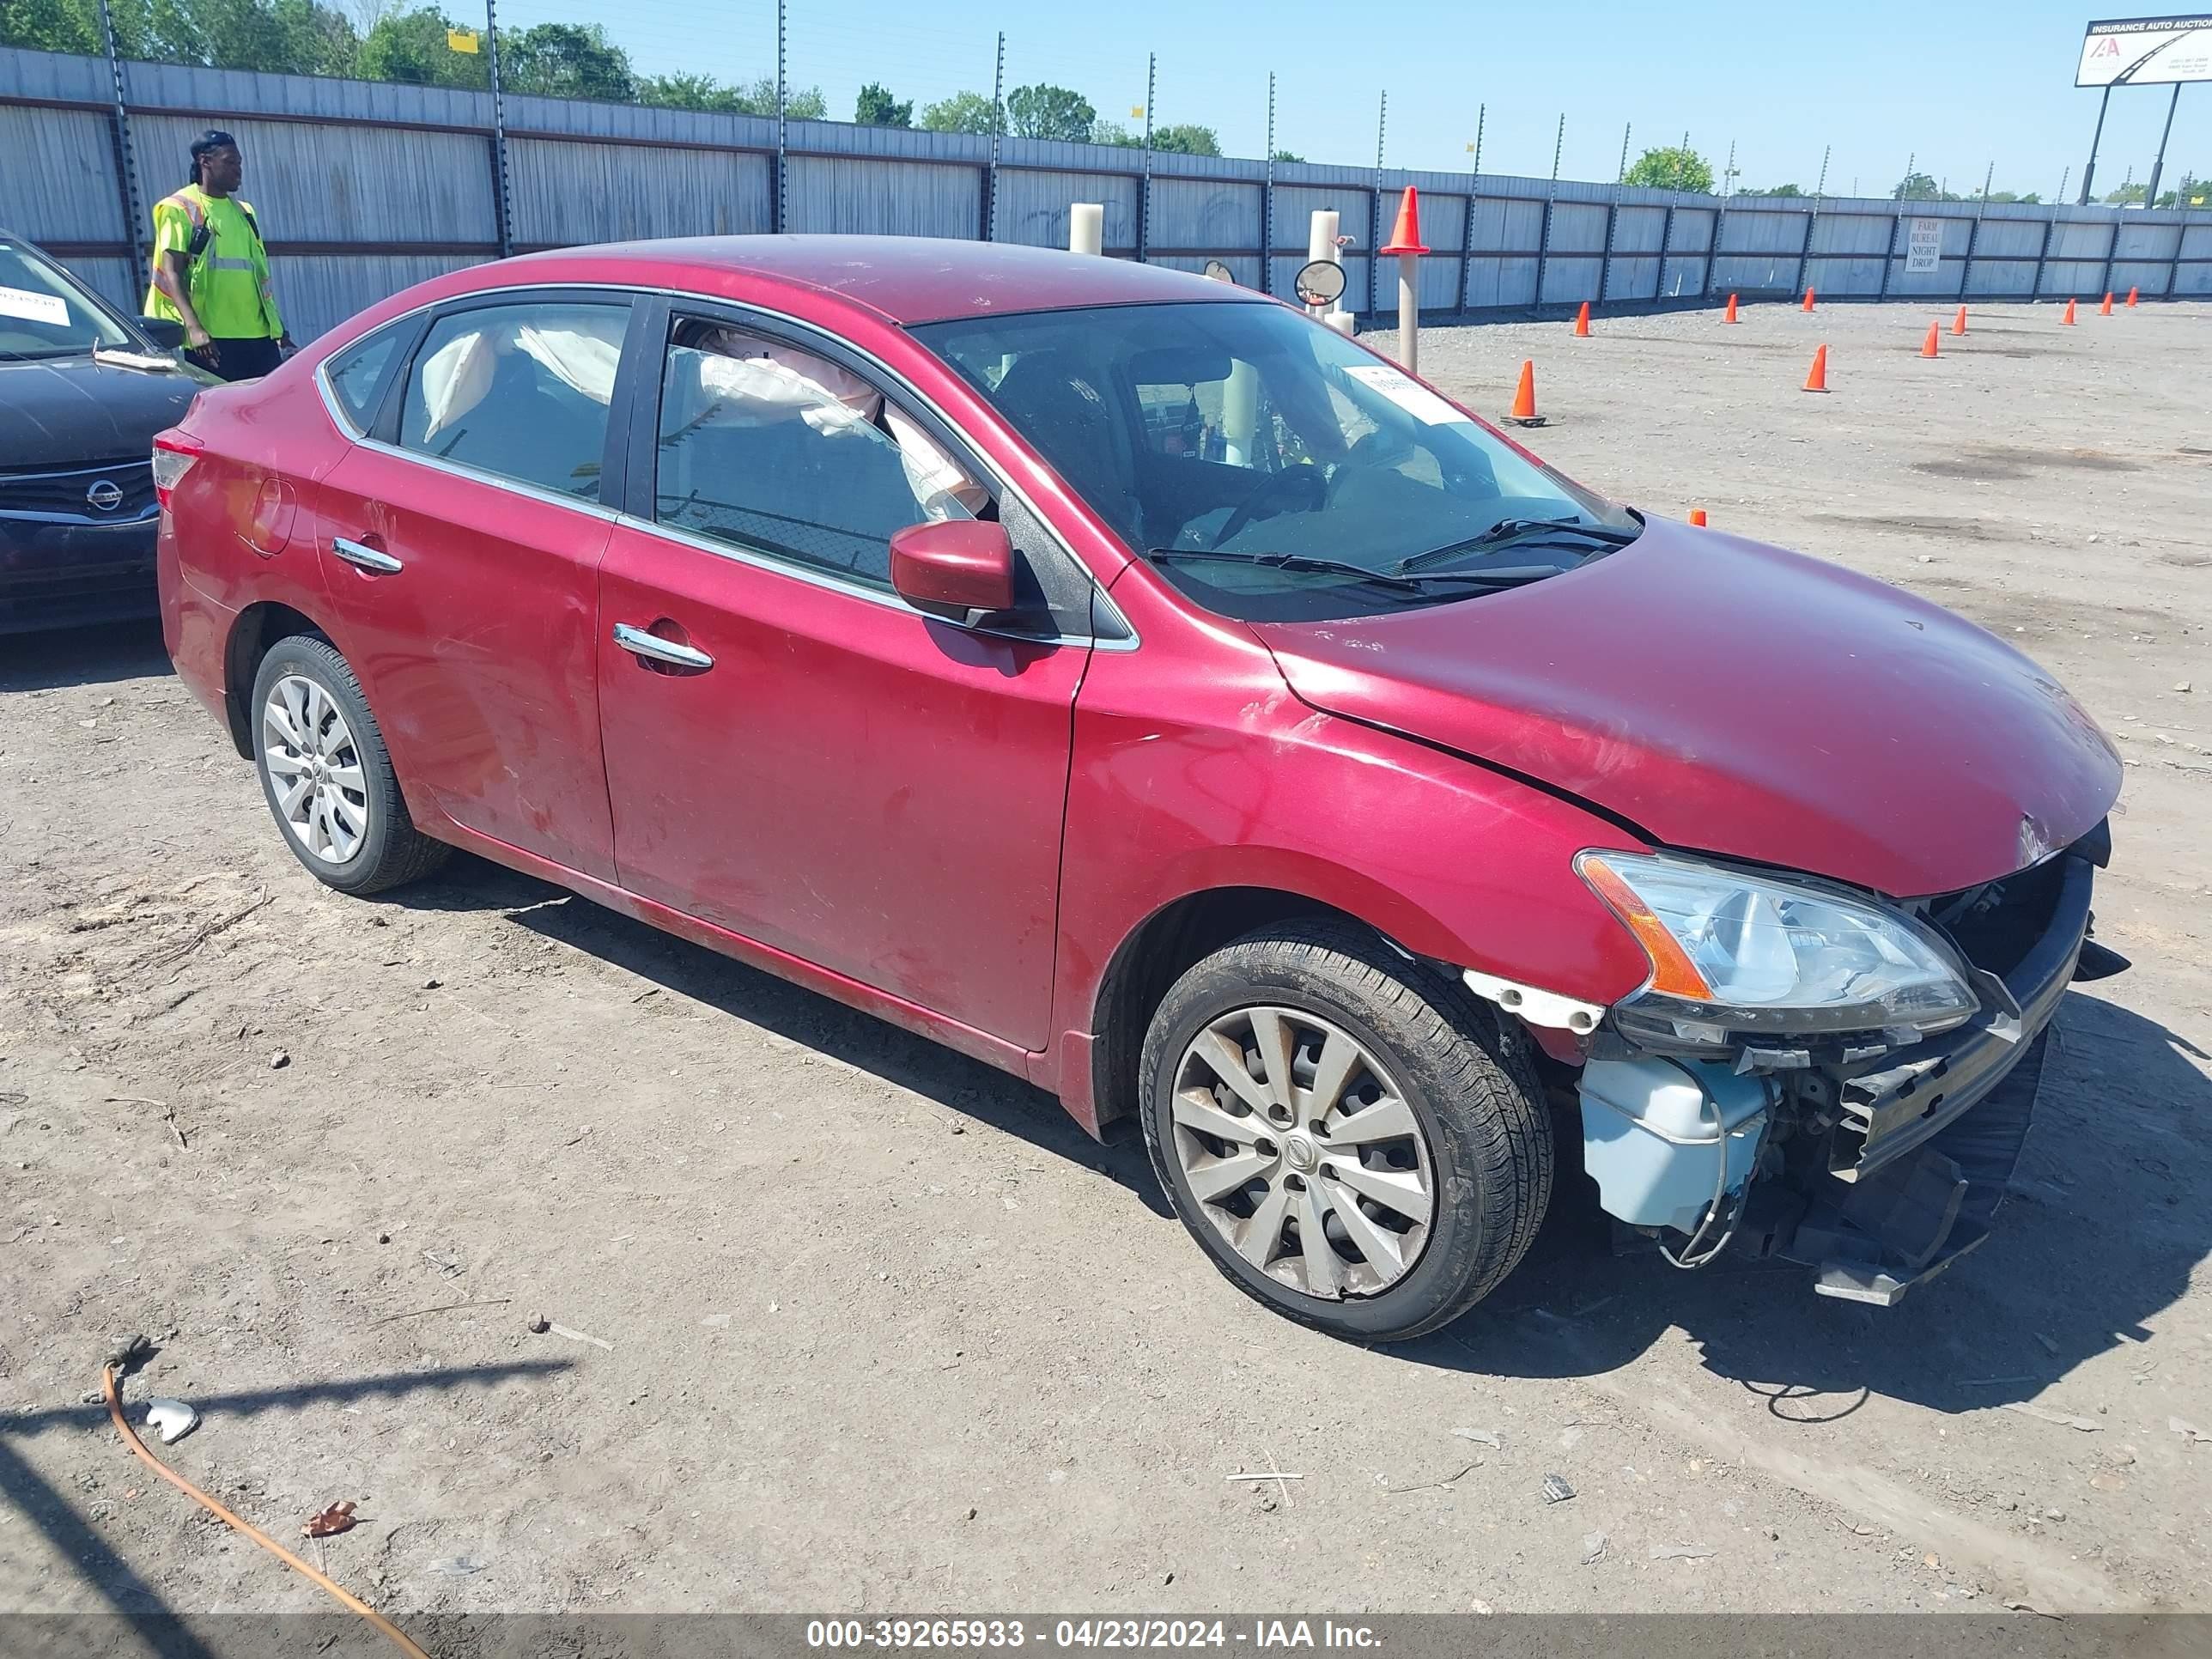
<point>954,569</point>
<point>164,331</point>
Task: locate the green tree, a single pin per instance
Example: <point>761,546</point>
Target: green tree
<point>964,112</point>
<point>1916,187</point>
<point>566,60</point>
<point>1284,156</point>
<point>50,26</point>
<point>1774,189</point>
<point>685,91</point>
<point>1103,131</point>
<point>1050,111</point>
<point>1673,166</point>
<point>876,108</point>
<point>410,46</point>
<point>1187,138</point>
<point>2126,196</point>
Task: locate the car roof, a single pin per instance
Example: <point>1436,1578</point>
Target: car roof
<point>904,279</point>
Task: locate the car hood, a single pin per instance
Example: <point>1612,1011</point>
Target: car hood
<point>72,412</point>
<point>1731,698</point>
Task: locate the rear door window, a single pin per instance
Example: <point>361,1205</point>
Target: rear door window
<point>357,374</point>
<point>519,390</point>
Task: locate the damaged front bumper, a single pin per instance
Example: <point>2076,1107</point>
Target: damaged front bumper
<point>1916,1164</point>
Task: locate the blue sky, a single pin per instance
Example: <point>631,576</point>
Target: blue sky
<point>1955,86</point>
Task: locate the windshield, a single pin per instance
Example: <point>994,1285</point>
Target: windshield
<point>44,314</point>
<point>1271,468</point>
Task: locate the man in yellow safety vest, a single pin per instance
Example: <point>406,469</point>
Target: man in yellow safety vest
<point>211,269</point>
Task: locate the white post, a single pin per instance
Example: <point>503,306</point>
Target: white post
<point>1086,227</point>
<point>1321,239</point>
<point>1409,312</point>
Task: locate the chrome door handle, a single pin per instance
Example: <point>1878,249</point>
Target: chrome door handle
<point>368,558</point>
<point>638,643</point>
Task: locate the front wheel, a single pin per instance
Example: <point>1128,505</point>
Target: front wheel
<point>1348,1135</point>
<point>328,780</point>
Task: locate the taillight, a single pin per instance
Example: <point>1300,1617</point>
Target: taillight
<point>173,455</point>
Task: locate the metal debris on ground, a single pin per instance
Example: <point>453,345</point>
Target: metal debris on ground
<point>1594,1545</point>
<point>2064,1419</point>
<point>1556,1489</point>
<point>173,1419</point>
<point>1437,1486</point>
<point>2187,1431</point>
<point>579,1336</point>
<point>1481,1438</point>
<point>1679,1551</point>
<point>457,1566</point>
<point>329,1521</point>
<point>538,1324</point>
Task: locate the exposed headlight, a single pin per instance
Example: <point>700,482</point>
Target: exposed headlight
<point>1736,952</point>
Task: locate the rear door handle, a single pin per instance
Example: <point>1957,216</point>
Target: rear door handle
<point>638,643</point>
<point>368,558</point>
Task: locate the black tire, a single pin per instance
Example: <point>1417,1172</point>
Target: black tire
<point>1468,1077</point>
<point>391,851</point>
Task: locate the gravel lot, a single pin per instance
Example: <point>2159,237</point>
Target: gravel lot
<point>870,1327</point>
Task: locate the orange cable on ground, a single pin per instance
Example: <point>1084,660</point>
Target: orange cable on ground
<point>391,1632</point>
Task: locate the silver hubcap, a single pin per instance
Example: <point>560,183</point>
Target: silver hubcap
<point>314,771</point>
<point>1302,1153</point>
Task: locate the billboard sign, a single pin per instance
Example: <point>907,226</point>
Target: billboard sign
<point>2146,51</point>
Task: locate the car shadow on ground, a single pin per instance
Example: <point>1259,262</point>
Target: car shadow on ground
<point>929,1069</point>
<point>79,1537</point>
<point>2103,1226</point>
<point>64,657</point>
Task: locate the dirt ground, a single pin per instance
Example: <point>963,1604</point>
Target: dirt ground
<point>867,1326</point>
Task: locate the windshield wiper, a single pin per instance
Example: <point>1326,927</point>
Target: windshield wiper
<point>1398,579</point>
<point>1506,531</point>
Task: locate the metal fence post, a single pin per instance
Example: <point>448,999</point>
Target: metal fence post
<point>2111,247</point>
<point>1467,225</point>
<point>1551,199</point>
<point>1267,200</point>
<point>1666,250</point>
<point>502,202</point>
<point>1375,206</point>
<point>1713,249</point>
<point>2049,229</point>
<point>997,128</point>
<point>1144,188</point>
<point>126,164</point>
<point>781,201</point>
<point>1889,253</point>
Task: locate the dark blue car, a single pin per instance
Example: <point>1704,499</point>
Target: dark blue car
<point>82,391</point>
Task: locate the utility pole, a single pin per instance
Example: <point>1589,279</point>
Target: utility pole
<point>2150,192</point>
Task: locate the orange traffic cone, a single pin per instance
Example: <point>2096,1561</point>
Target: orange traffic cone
<point>2131,296</point>
<point>1582,322</point>
<point>1927,345</point>
<point>2067,319</point>
<point>1698,517</point>
<point>1959,322</point>
<point>1818,379</point>
<point>1729,316</point>
<point>1523,412</point>
<point>1808,299</point>
<point>2105,309</point>
<point>1406,236</point>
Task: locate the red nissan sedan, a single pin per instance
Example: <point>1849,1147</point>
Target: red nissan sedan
<point>1127,680</point>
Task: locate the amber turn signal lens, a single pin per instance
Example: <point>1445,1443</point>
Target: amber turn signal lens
<point>1673,973</point>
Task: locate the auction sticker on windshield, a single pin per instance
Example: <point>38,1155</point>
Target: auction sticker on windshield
<point>1409,394</point>
<point>33,308</point>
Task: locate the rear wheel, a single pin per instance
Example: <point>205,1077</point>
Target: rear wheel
<point>1348,1135</point>
<point>327,778</point>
